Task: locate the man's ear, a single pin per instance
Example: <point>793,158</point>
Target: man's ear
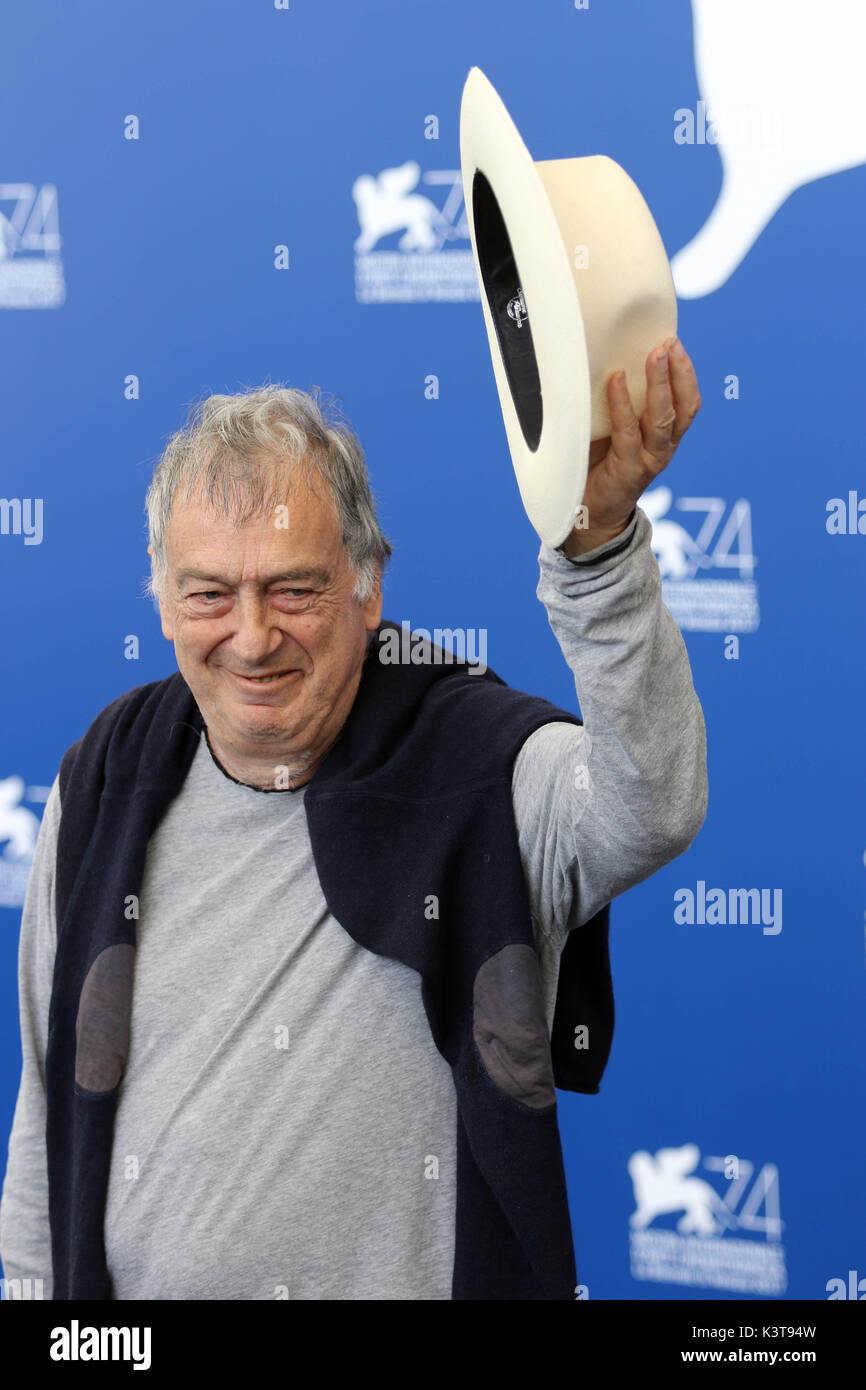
<point>164,611</point>
<point>373,605</point>
<point>165,619</point>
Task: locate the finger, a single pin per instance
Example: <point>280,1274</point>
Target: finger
<point>659,417</point>
<point>598,451</point>
<point>626,440</point>
<point>687,397</point>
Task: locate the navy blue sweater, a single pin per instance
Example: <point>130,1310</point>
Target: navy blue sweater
<point>412,800</point>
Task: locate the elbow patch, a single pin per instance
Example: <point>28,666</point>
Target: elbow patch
<point>509,1026</point>
<point>102,1024</point>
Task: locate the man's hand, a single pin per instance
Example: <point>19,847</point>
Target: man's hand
<point>623,465</point>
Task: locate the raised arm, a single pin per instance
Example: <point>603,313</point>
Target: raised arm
<point>599,809</point>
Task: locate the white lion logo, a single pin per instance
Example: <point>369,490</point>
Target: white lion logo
<point>660,1186</point>
<point>385,204</point>
<point>678,555</point>
<point>17,825</point>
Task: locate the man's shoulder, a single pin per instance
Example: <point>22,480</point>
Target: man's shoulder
<point>484,695</point>
<point>131,701</point>
<point>435,673</point>
<point>478,721</point>
<point>119,712</point>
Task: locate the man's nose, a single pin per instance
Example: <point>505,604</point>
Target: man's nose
<point>257,634</point>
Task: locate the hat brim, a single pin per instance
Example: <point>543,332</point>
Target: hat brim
<point>543,376</point>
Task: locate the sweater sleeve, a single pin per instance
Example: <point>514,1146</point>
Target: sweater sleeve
<point>600,808</point>
<point>25,1236</point>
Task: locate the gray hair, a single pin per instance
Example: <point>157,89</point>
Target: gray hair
<point>242,450</point>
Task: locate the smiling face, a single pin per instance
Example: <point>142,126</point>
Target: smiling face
<point>267,600</point>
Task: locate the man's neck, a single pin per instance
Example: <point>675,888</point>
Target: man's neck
<point>266,774</point>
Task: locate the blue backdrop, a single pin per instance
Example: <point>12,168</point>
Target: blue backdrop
<point>155,160</point>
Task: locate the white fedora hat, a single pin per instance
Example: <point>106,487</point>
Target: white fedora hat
<point>575,284</point>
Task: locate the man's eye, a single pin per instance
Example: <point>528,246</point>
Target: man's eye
<point>211,596</point>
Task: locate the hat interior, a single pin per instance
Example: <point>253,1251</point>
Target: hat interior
<point>501,281</point>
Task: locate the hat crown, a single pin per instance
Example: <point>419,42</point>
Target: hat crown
<point>620,270</point>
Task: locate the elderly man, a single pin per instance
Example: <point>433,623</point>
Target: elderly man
<point>310,936</point>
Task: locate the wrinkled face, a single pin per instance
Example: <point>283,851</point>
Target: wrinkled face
<point>266,632</point>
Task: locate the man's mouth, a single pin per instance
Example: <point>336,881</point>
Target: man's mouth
<point>272,678</point>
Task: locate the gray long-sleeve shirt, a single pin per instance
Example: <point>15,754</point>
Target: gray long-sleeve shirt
<point>286,1127</point>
